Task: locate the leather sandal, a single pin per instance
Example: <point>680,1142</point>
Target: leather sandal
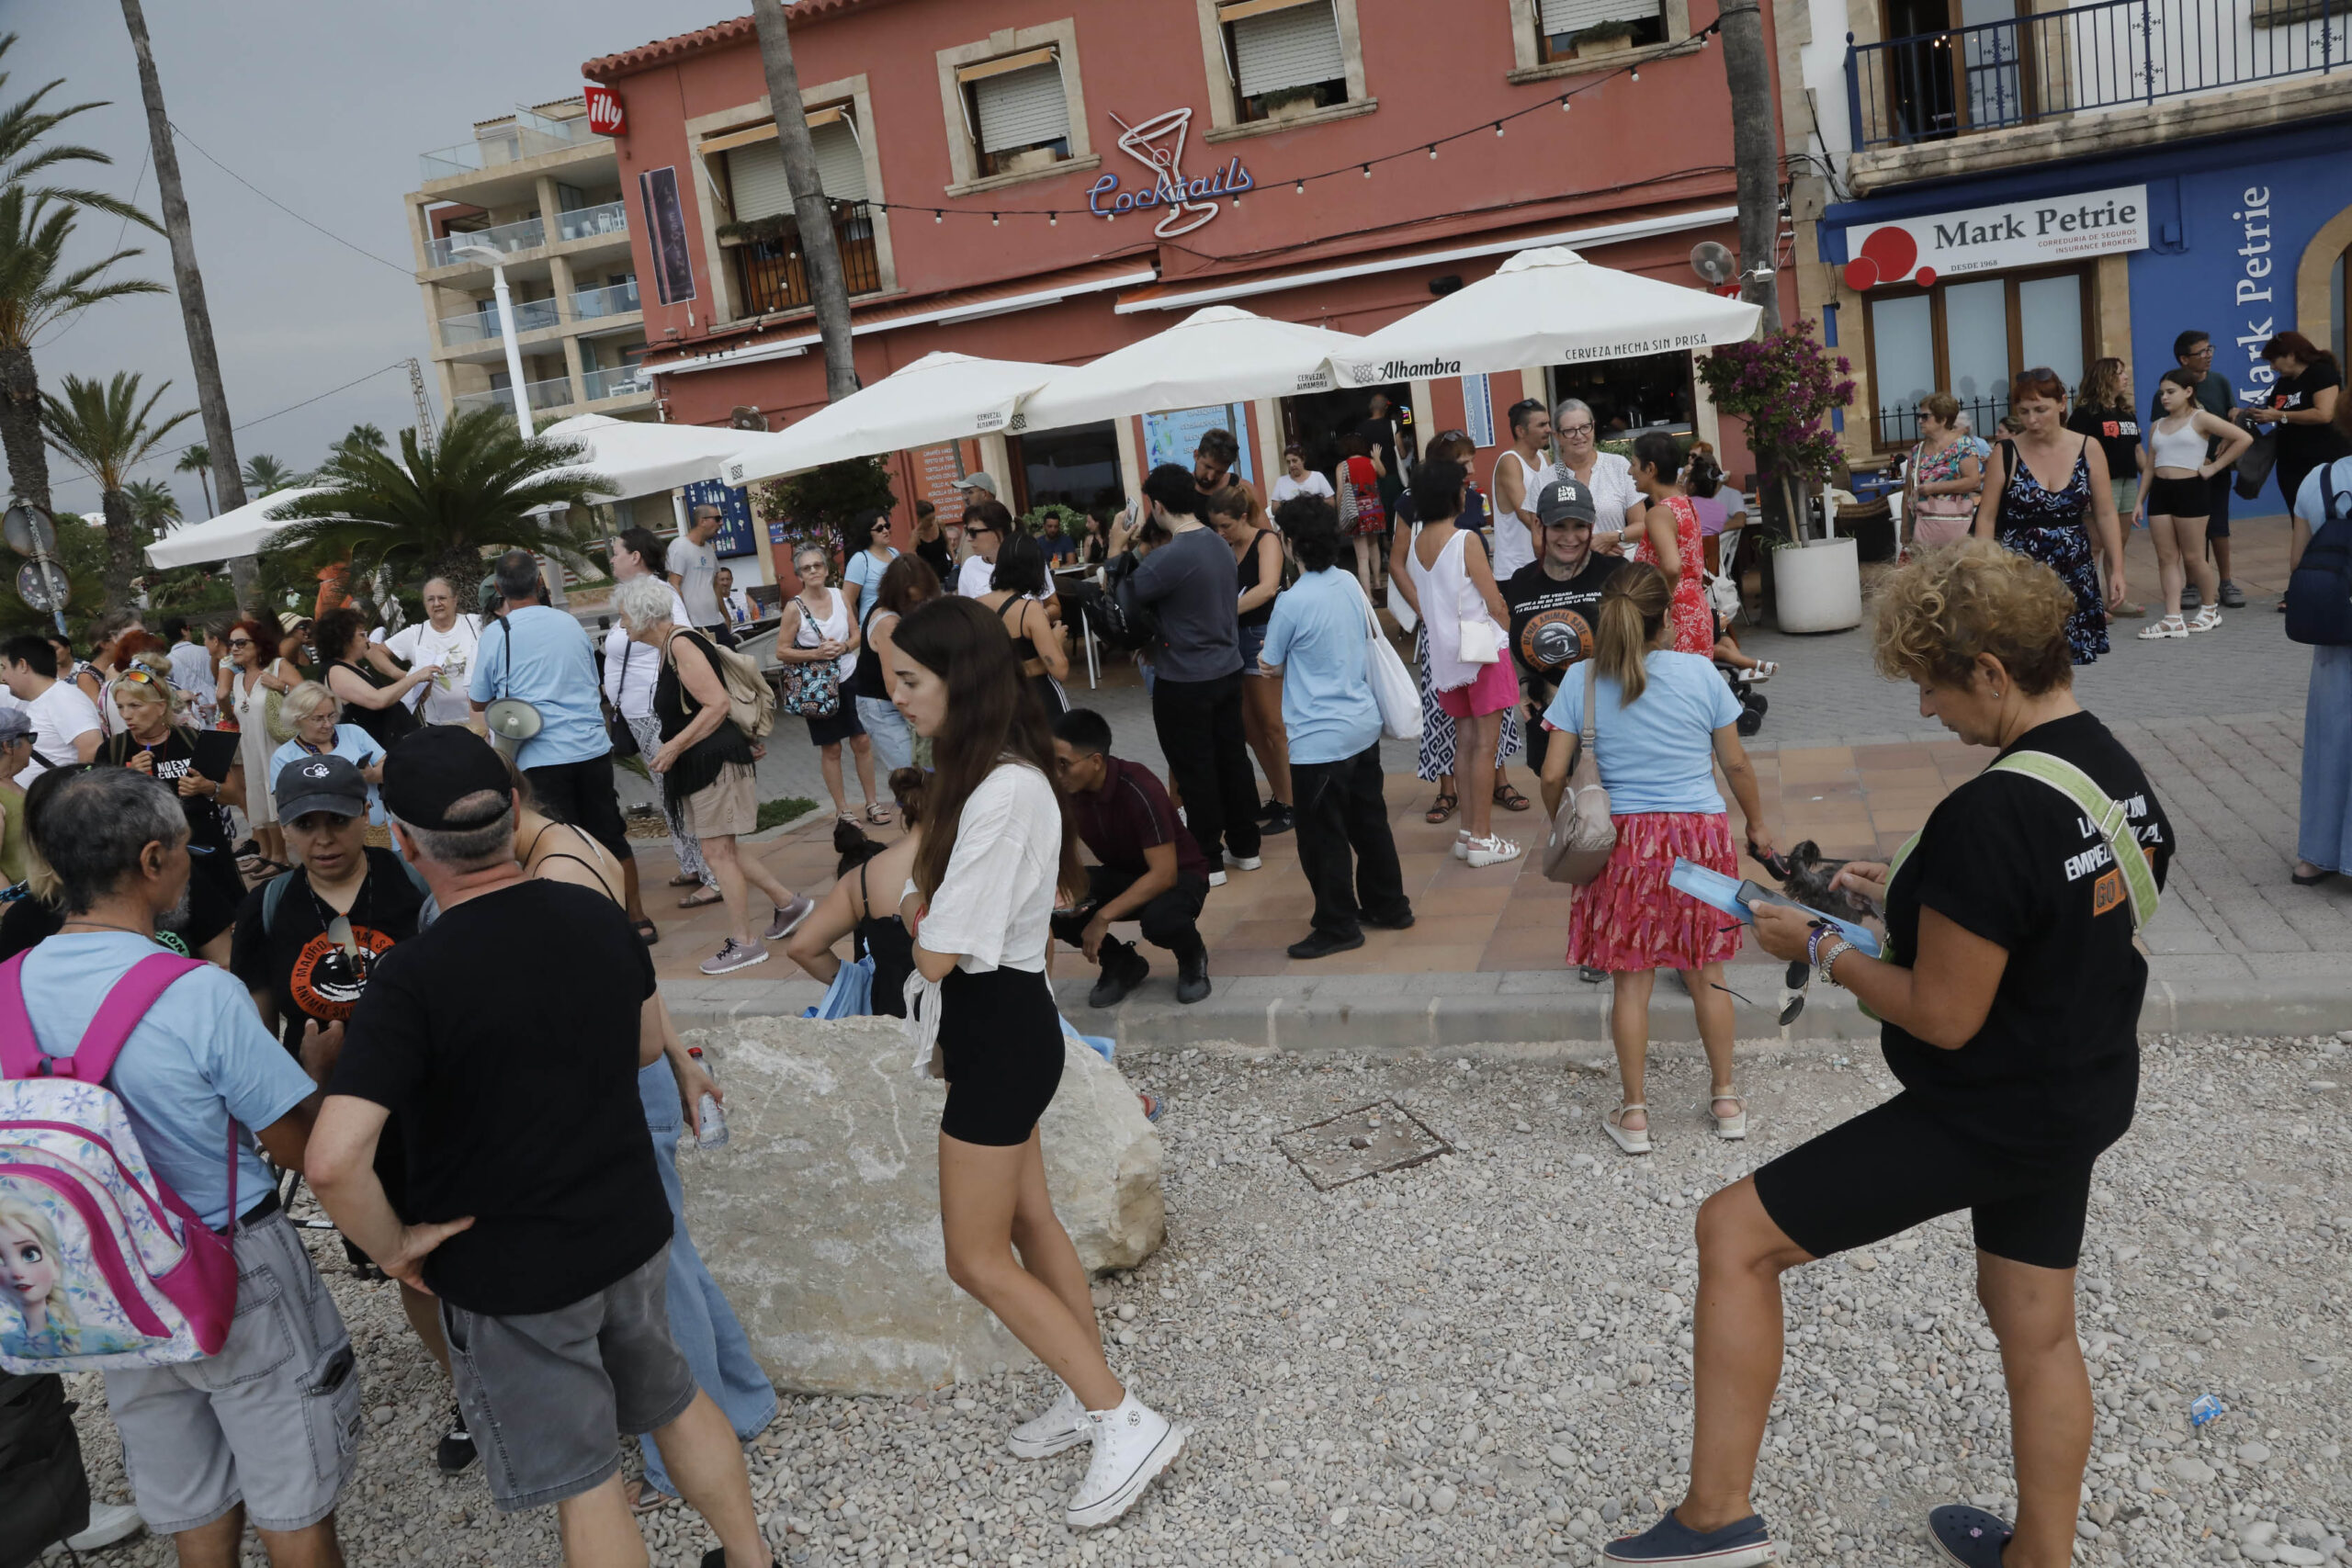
<point>1732,1129</point>
<point>1633,1141</point>
<point>1443,808</point>
<point>1509,798</point>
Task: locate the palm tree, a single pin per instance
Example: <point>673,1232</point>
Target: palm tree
<point>37,289</point>
<point>811,211</point>
<point>197,458</point>
<point>104,432</point>
<point>153,508</point>
<point>364,435</point>
<point>432,511</point>
<point>264,473</point>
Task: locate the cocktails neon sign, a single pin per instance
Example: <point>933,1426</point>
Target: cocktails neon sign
<point>1159,145</point>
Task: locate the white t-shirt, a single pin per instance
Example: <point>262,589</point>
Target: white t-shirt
<point>974,579</point>
<point>441,700</point>
<point>995,906</point>
<point>60,714</point>
<point>695,565</point>
<point>1287,486</point>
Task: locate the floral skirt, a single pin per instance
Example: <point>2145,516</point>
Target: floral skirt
<point>2067,552</point>
<point>1629,918</point>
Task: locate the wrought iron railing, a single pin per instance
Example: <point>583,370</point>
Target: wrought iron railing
<point>771,275</point>
<point>2110,54</point>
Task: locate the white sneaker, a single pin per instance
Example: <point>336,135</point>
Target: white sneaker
<point>1216,879</point>
<point>1131,1445</point>
<point>1492,850</point>
<point>1061,1425</point>
<point>109,1522</point>
<point>1242,863</point>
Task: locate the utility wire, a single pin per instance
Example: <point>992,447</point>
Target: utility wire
<point>289,212</point>
<point>120,234</point>
<point>174,452</point>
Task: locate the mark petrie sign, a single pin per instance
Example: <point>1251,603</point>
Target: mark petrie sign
<point>605,115</point>
<point>2005,234</point>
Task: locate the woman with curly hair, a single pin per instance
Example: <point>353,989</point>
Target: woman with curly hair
<point>2008,991</point>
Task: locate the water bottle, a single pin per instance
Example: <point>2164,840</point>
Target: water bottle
<point>710,1120</point>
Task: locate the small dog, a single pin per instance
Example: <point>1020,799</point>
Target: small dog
<point>1808,880</point>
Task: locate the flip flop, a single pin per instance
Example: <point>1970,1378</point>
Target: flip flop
<point>702,900</point>
<point>646,931</point>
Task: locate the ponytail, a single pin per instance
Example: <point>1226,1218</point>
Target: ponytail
<point>1632,608</point>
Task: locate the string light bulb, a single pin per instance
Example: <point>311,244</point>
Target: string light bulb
<point>995,221</point>
<point>1567,103</point>
<point>1498,127</point>
<point>1301,188</point>
<point>1637,73</point>
<point>1053,220</point>
<point>1433,151</point>
<point>937,216</point>
<point>1367,171</point>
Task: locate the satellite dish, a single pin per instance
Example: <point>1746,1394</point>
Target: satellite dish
<point>512,719</point>
<point>1711,261</point>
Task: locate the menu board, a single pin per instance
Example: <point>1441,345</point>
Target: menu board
<point>937,470</point>
<point>735,536</point>
<point>1173,436</point>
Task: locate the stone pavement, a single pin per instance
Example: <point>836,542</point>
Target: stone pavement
<point>1844,759</point>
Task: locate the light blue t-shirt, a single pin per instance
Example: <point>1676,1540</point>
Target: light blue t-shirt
<point>1659,754</point>
<point>353,744</point>
<point>198,1058</point>
<point>864,570</point>
<point>2311,500</point>
<point>555,671</point>
<point>1317,635</point>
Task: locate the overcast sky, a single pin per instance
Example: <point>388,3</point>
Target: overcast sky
<point>325,107</point>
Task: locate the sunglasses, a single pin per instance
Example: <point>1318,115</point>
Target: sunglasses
<point>138,677</point>
<point>241,642</point>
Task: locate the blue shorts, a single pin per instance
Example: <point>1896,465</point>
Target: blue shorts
<point>1253,643</point>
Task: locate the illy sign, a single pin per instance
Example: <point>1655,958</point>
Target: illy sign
<point>2007,234</point>
<point>605,116</point>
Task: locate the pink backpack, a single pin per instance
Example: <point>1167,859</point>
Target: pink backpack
<point>101,1263</point>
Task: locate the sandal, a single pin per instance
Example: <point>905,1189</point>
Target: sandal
<point>2207,619</point>
<point>685,879</point>
<point>645,1499</point>
<point>1633,1141</point>
<point>877,814</point>
<point>703,899</point>
<point>1765,670</point>
<point>1509,798</point>
<point>1443,808</point>
<point>646,931</point>
<point>1734,1128</point>
<point>2167,626</point>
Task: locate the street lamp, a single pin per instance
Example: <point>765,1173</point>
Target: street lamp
<point>494,259</point>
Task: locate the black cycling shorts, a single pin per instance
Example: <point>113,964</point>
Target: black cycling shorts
<point>1895,1167</point>
<point>1001,1045</point>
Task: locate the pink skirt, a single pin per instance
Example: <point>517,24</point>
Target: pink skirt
<point>1496,689</point>
<point>1629,918</point>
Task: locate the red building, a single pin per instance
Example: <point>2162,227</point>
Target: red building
<point>992,168</point>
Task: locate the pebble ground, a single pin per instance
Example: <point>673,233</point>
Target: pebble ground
<point>1485,1358</point>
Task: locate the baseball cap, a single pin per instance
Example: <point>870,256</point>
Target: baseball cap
<point>432,768</point>
<point>1566,500</point>
<point>325,783</point>
<point>977,481</point>
<point>15,725</point>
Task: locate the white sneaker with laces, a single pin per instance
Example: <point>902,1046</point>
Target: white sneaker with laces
<point>1216,879</point>
<point>1131,1445</point>
<point>1061,1425</point>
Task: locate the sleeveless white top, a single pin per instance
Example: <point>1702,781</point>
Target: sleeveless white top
<point>1514,543</point>
<point>2181,448</point>
<point>1448,598</point>
<point>832,625</point>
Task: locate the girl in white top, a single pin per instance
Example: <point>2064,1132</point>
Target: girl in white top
<point>1297,479</point>
<point>1452,589</point>
<point>2179,497</point>
<point>1617,501</point>
<point>997,853</point>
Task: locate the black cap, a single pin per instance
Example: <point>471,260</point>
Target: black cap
<point>434,768</point>
<point>1566,500</point>
<point>325,783</point>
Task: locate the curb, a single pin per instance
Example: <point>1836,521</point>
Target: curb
<point>1406,1012</point>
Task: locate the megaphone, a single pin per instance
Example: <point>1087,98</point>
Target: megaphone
<point>512,719</point>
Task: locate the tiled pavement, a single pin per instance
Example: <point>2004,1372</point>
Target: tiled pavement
<point>2216,721</point>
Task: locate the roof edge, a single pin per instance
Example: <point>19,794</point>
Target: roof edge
<point>719,35</point>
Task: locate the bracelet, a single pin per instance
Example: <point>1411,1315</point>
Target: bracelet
<point>1828,969</point>
<point>1812,944</point>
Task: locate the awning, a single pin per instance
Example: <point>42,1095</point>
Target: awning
<point>638,456</point>
<point>765,131</point>
<point>240,532</point>
<point>941,397</point>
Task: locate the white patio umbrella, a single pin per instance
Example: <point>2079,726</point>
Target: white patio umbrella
<point>242,531</point>
<point>1547,307</point>
<point>941,397</point>
<point>1219,354</point>
<point>636,456</point>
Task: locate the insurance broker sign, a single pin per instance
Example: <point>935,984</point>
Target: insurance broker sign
<point>2007,234</point>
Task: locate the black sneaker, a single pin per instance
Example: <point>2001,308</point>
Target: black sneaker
<point>1123,971</point>
<point>1280,819</point>
<point>1193,977</point>
<point>1402,923</point>
<point>456,1449</point>
<point>1322,944</point>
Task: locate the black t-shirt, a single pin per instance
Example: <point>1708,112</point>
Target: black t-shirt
<point>1552,622</point>
<point>937,553</point>
<point>308,976</point>
<point>2116,431</point>
<point>2304,446</point>
<point>174,758</point>
<point>384,724</point>
<point>29,922</point>
<point>503,1036</point>
<point>2055,1070</point>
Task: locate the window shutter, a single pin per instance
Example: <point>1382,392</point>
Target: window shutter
<point>1297,47</point>
<point>841,165</point>
<point>756,175</point>
<point>1021,108</point>
<point>1574,16</point>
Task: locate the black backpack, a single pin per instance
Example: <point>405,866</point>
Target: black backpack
<point>2319,591</point>
<point>41,1468</point>
<point>1119,617</point>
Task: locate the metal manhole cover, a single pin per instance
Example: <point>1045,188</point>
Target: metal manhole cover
<point>1355,1143</point>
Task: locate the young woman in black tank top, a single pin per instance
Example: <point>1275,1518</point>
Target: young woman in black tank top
<point>1258,564</point>
<point>1020,572</point>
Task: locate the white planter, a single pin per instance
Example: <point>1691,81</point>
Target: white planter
<point>1818,588</point>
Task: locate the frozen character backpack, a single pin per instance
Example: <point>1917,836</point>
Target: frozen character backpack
<point>101,1263</point>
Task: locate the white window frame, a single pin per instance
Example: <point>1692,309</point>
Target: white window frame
<point>1528,63</point>
<point>963,158</point>
<point>1226,123</point>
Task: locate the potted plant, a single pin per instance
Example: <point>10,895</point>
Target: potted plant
<point>1603,38</point>
<point>1073,520</point>
<point>1784,386</point>
<point>1292,103</point>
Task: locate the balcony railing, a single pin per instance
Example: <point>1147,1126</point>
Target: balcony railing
<point>618,301</point>
<point>2110,54</point>
<point>617,381</point>
<point>552,393</point>
<point>771,275</point>
<point>527,235</point>
<point>528,137</point>
<point>481,326</point>
<point>581,222</point>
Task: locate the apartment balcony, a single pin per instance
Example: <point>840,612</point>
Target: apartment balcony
<point>771,275</point>
<point>2109,58</point>
<point>617,381</point>
<point>552,393</point>
<point>528,136</point>
<point>600,226</point>
<point>595,304</point>
<point>482,326</point>
<point>609,217</point>
<point>527,235</point>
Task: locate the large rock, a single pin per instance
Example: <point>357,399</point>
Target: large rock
<point>820,1218</point>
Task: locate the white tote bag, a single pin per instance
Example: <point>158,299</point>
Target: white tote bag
<point>1393,686</point>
